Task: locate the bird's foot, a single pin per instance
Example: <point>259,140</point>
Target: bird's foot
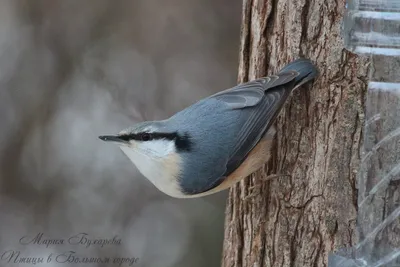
<point>274,176</point>
<point>269,177</point>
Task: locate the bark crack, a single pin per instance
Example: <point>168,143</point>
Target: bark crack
<point>304,20</point>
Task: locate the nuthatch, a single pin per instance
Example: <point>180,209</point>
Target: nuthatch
<point>216,142</point>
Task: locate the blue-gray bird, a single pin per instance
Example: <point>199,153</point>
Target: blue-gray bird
<point>216,142</point>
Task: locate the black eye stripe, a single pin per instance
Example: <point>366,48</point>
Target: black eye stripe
<point>145,136</point>
<point>125,137</point>
<point>182,142</point>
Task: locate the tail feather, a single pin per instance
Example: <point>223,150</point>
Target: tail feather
<point>306,69</point>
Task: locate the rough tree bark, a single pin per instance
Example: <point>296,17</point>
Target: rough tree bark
<point>298,220</point>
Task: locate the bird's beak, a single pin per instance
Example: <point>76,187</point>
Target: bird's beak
<point>112,138</point>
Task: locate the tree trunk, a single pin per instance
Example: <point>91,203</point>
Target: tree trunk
<point>298,220</point>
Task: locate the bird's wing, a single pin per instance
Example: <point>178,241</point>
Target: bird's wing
<point>263,99</point>
<point>250,93</point>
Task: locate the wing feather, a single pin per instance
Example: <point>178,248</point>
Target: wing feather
<point>265,98</point>
<point>251,93</point>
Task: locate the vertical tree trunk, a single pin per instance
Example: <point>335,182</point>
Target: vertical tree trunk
<point>298,220</point>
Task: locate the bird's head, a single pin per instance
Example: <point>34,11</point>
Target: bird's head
<point>156,150</point>
<point>147,139</point>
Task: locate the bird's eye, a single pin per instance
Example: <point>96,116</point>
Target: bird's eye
<point>146,137</point>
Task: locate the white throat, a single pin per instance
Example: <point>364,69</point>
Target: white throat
<point>158,161</point>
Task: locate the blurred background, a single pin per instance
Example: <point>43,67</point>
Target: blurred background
<point>73,70</point>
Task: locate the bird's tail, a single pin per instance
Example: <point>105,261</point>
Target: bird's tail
<point>306,69</point>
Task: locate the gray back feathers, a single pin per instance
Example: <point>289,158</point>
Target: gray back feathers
<point>226,126</point>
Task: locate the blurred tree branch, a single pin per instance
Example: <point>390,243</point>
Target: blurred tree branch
<point>297,221</point>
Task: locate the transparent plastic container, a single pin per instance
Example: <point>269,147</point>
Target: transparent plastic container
<point>372,29</point>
